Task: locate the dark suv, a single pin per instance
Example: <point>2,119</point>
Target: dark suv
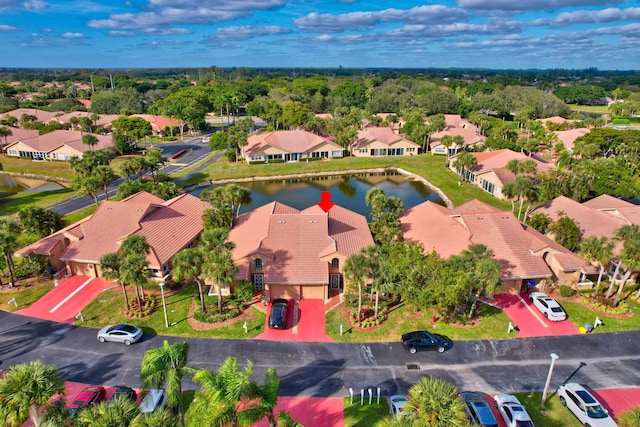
<point>278,316</point>
<point>423,340</point>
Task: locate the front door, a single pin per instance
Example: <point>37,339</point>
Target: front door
<point>258,281</point>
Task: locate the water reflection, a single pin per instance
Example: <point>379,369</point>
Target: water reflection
<point>16,184</point>
<point>348,191</point>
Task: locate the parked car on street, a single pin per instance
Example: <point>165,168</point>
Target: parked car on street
<point>397,403</point>
<point>278,316</point>
<point>547,306</point>
<point>584,406</point>
<point>154,399</point>
<point>124,391</point>
<point>88,396</point>
<point>512,411</point>
<point>423,340</point>
<point>122,333</point>
<point>478,409</point>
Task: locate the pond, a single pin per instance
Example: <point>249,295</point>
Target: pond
<point>18,184</point>
<point>348,191</point>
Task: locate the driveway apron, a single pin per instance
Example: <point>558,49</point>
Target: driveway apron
<point>66,300</point>
<point>305,324</point>
<point>529,321</point>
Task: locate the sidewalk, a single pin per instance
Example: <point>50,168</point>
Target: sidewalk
<point>66,300</point>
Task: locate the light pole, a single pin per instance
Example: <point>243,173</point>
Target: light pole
<point>164,305</point>
<point>554,357</point>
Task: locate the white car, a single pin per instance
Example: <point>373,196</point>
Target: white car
<point>512,411</point>
<point>122,333</point>
<point>584,406</point>
<point>397,402</point>
<point>547,306</point>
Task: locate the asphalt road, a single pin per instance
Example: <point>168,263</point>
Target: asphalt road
<point>603,360</point>
<point>197,150</point>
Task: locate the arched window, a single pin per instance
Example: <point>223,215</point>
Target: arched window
<point>335,263</point>
<point>257,264</point>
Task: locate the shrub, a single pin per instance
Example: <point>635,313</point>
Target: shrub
<point>631,418</point>
<point>148,306</point>
<point>602,306</point>
<point>566,291</point>
<point>244,291</point>
<point>214,316</point>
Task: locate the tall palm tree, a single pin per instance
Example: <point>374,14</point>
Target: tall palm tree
<point>355,272</point>
<point>218,260</point>
<point>5,132</point>
<point>25,389</point>
<point>435,403</point>
<point>9,232</point>
<point>110,270</point>
<point>597,250</point>
<point>188,264</point>
<point>165,367</point>
<point>623,234</point>
<point>134,265</point>
<point>119,412</point>
<point>464,161</point>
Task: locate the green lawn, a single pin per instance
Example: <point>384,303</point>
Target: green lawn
<point>24,296</point>
<point>493,324</point>
<point>356,415</point>
<point>552,415</point>
<point>107,308</point>
<point>54,169</point>
<point>579,315</point>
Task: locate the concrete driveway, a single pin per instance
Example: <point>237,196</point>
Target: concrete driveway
<point>305,322</point>
<point>530,322</point>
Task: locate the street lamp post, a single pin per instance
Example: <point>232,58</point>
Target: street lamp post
<point>164,305</point>
<point>554,357</point>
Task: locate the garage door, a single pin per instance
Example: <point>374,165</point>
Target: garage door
<point>83,269</point>
<point>313,291</point>
<point>284,291</point>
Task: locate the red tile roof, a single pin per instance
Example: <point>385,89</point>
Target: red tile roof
<point>72,138</point>
<point>291,141</point>
<point>568,137</point>
<point>450,231</point>
<point>382,134</point>
<point>296,243</point>
<point>19,133</point>
<point>168,226</point>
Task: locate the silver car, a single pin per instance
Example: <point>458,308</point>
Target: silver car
<point>547,306</point>
<point>584,406</point>
<point>397,403</point>
<point>122,333</point>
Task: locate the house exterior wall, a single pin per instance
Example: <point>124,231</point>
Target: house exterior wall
<point>408,148</point>
<point>264,153</point>
<point>20,149</point>
<point>83,269</point>
<point>64,153</point>
<point>483,180</point>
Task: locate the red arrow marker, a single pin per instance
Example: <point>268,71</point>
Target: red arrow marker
<point>326,204</point>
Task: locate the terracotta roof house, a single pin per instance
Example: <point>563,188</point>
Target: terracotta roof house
<point>455,125</point>
<point>41,115</point>
<point>289,146</point>
<point>296,254</point>
<point>18,134</point>
<point>168,227</point>
<point>599,217</point>
<point>382,141</point>
<point>525,254</point>
<point>159,123</point>
<point>568,137</point>
<point>490,172</point>
<point>65,117</point>
<point>394,126</point>
<point>56,145</point>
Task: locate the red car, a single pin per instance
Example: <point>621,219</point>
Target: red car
<point>87,397</point>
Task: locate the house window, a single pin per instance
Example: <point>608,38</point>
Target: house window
<point>336,153</point>
<point>411,149</point>
<point>335,263</point>
<point>363,150</point>
<point>257,264</point>
<point>256,157</point>
<point>258,281</point>
<point>487,186</point>
<point>396,151</point>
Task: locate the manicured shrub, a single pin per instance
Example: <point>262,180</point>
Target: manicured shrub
<point>566,291</point>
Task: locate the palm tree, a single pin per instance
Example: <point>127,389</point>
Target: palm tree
<point>165,367</point>
<point>464,161</point>
<point>597,250</point>
<point>9,232</point>
<point>134,265</point>
<point>187,264</point>
<point>237,195</point>
<point>25,389</point>
<point>624,234</point>
<point>119,412</point>
<point>355,272</point>
<point>89,139</point>
<point>218,259</point>
<point>5,132</point>
<point>110,269</point>
<point>222,393</point>
<point>157,418</point>
<point>435,403</point>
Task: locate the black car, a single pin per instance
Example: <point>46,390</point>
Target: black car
<point>278,316</point>
<point>124,391</point>
<point>423,340</point>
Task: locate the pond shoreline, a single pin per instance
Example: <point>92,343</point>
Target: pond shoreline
<point>401,171</point>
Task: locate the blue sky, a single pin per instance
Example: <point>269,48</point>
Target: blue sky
<point>513,34</point>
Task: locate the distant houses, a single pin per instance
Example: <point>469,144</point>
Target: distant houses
<point>382,141</point>
<point>56,145</point>
<point>289,146</point>
<point>467,133</point>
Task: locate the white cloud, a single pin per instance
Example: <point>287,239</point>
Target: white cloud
<point>517,5</point>
<point>7,28</point>
<point>328,23</point>
<point>595,16</point>
<point>68,35</point>
<point>35,4</point>
<point>248,32</point>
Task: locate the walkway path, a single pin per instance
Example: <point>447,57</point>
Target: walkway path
<point>66,300</point>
